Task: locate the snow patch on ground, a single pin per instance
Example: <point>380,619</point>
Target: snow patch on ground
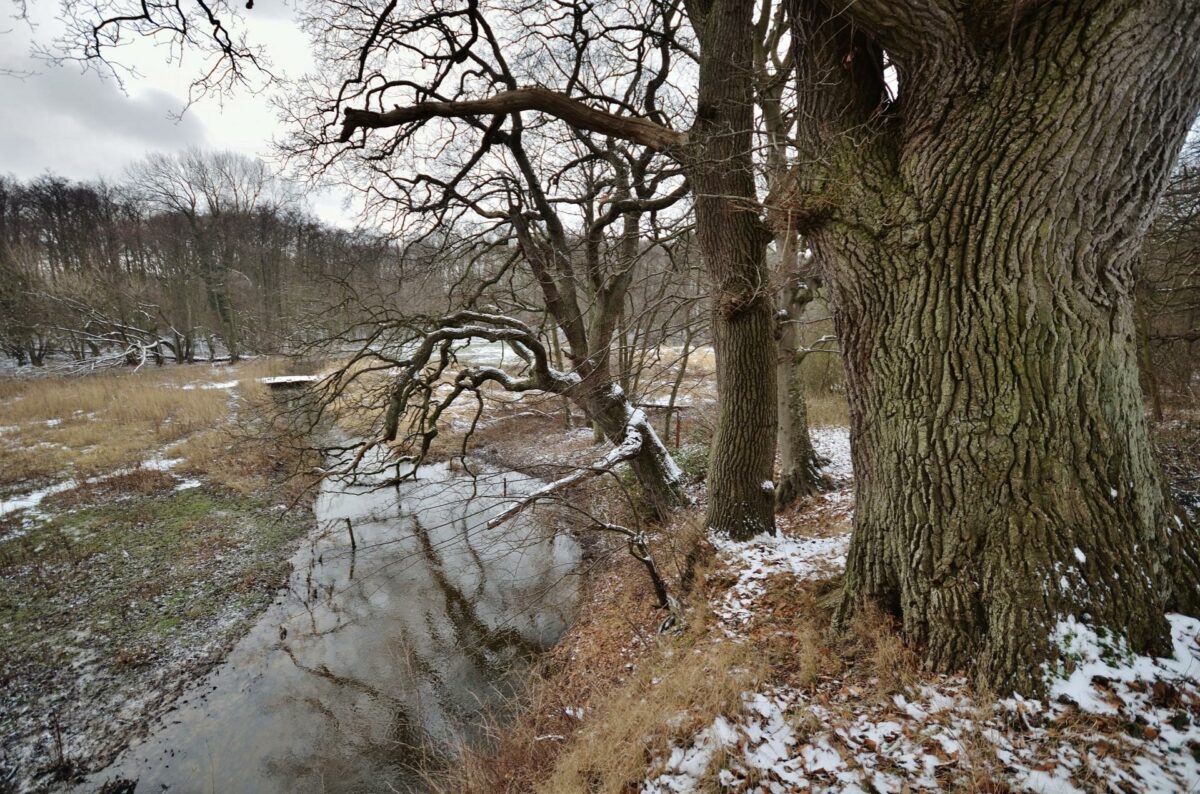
<point>833,444</point>
<point>30,500</point>
<point>1136,729</point>
<point>229,384</point>
<point>756,560</point>
<point>1113,721</point>
<point>159,463</point>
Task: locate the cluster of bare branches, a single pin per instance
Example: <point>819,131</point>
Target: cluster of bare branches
<point>207,34</point>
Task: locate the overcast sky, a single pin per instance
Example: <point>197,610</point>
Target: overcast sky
<point>76,124</point>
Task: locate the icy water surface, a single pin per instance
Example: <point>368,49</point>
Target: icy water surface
<point>374,654</point>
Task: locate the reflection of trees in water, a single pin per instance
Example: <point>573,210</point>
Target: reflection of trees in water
<point>473,634</point>
<point>496,654</point>
<point>369,746</point>
<point>387,733</point>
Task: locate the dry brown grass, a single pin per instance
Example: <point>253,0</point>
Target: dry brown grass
<point>877,651</point>
<point>602,653</point>
<point>681,691</point>
<point>55,427</point>
<point>121,398</point>
<point>827,409</point>
<point>246,464</point>
<point>643,693</point>
<point>581,670</point>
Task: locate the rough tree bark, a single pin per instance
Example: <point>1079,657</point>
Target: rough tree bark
<point>799,465</point>
<point>733,240</point>
<point>979,236</point>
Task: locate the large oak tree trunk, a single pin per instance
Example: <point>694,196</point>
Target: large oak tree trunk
<point>733,240</point>
<point>983,294</point>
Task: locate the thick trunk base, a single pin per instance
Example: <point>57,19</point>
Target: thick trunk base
<point>1005,476</point>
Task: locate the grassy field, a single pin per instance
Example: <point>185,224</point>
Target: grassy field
<point>56,427</point>
<point>165,523</point>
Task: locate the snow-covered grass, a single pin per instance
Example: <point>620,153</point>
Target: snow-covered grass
<point>767,556</point>
<point>833,444</point>
<point>63,428</point>
<point>1122,727</point>
<point>109,608</point>
<point>222,385</point>
<point>31,501</point>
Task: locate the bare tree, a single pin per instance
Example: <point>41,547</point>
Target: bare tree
<point>213,193</point>
<point>1168,288</point>
<point>775,74</point>
<point>93,272</point>
<point>468,79</point>
<point>581,218</point>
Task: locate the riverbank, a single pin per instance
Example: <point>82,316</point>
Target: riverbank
<point>755,694</point>
<point>125,587</point>
<point>141,533</point>
<point>405,619</point>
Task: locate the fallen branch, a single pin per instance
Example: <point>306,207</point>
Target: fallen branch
<point>628,449</point>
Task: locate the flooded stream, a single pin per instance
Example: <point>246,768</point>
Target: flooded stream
<point>375,654</point>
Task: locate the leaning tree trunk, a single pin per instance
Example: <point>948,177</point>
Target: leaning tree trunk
<point>733,240</point>
<point>1004,471</point>
<point>659,476</point>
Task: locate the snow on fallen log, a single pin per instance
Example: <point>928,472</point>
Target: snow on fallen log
<point>629,448</point>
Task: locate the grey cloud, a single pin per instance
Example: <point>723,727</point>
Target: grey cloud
<point>80,125</point>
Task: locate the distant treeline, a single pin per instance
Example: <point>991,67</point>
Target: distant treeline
<point>191,257</point>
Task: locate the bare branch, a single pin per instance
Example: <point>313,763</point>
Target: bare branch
<point>626,450</point>
<point>543,100</point>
